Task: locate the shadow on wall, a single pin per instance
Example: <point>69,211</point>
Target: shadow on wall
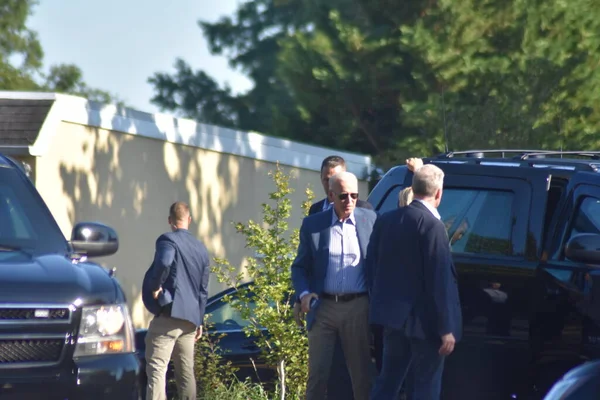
<point>130,184</point>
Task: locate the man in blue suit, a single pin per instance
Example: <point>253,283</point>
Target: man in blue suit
<point>414,292</point>
<point>329,276</point>
<point>339,386</point>
<point>179,282</point>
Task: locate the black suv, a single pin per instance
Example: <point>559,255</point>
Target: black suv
<point>65,329</point>
<point>525,233</point>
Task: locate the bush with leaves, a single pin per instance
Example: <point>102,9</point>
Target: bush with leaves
<point>213,373</point>
<point>267,303</point>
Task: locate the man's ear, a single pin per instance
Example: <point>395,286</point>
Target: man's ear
<point>330,196</point>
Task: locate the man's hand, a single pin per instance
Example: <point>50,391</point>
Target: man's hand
<point>447,347</point>
<point>414,164</point>
<point>305,300</point>
<point>157,293</point>
<point>298,314</point>
<point>198,333</point>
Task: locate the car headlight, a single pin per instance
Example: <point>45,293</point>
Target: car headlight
<point>104,330</point>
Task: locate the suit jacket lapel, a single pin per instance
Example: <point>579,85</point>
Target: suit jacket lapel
<point>325,233</point>
<point>363,237</point>
<point>321,240</point>
<point>320,205</point>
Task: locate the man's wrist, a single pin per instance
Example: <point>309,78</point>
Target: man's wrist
<point>303,294</point>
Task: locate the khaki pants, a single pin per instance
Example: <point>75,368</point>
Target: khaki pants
<point>168,336</point>
<point>349,320</point>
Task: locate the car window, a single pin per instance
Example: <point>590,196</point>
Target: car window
<point>390,202</point>
<point>587,217</point>
<point>15,224</point>
<point>478,221</point>
<point>224,317</point>
<point>25,222</point>
<point>455,203</point>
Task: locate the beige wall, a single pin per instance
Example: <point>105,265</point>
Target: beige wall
<point>129,182</point>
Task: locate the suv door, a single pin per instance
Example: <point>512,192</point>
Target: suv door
<point>566,323</point>
<point>494,221</point>
<point>488,225</point>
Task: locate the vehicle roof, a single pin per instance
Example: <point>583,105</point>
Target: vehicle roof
<point>560,160</point>
<point>4,162</point>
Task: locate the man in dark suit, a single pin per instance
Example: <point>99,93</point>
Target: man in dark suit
<point>179,281</point>
<point>329,276</point>
<point>414,292</point>
<point>330,166</point>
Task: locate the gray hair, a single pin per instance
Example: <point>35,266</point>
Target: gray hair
<point>342,176</point>
<point>427,180</point>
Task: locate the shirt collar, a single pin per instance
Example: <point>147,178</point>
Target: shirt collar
<point>335,219</point>
<point>433,210</point>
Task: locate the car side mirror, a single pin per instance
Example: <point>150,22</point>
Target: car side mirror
<point>94,239</point>
<point>584,248</point>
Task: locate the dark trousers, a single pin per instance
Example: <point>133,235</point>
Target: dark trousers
<point>339,386</point>
<point>401,353</point>
<point>347,323</point>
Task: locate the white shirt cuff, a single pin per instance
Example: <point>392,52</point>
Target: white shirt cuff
<point>303,294</point>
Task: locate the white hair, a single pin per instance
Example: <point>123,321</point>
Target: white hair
<point>343,176</point>
<point>427,180</point>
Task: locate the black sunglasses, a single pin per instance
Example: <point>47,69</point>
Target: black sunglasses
<point>344,196</point>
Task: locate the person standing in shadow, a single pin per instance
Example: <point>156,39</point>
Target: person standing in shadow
<point>414,291</point>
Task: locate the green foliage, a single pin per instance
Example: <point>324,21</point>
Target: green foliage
<point>21,58</point>
<point>250,39</point>
<point>20,50</point>
<point>213,373</point>
<point>68,78</point>
<point>394,79</point>
<point>270,306</point>
<point>237,390</point>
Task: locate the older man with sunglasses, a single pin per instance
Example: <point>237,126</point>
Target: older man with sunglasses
<point>329,275</point>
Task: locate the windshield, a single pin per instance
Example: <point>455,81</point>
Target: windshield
<point>25,222</point>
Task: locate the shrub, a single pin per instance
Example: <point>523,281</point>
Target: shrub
<point>268,301</point>
<point>213,374</point>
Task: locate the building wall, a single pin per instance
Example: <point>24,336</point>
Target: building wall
<point>129,182</point>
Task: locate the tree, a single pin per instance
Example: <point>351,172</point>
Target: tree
<point>20,50</point>
<point>268,301</point>
<point>197,96</point>
<point>398,78</point>
<point>352,74</point>
<point>68,78</point>
<point>21,58</point>
<point>515,73</point>
<point>250,41</point>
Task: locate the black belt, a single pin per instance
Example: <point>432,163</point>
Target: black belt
<point>343,297</point>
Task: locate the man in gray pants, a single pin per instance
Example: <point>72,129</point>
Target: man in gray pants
<point>178,281</point>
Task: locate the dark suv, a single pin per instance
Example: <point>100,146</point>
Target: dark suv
<point>65,329</point>
<point>525,233</point>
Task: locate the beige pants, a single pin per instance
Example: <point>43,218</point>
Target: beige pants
<point>170,336</point>
<point>349,320</point>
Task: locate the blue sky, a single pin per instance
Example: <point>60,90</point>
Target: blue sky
<point>120,43</point>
